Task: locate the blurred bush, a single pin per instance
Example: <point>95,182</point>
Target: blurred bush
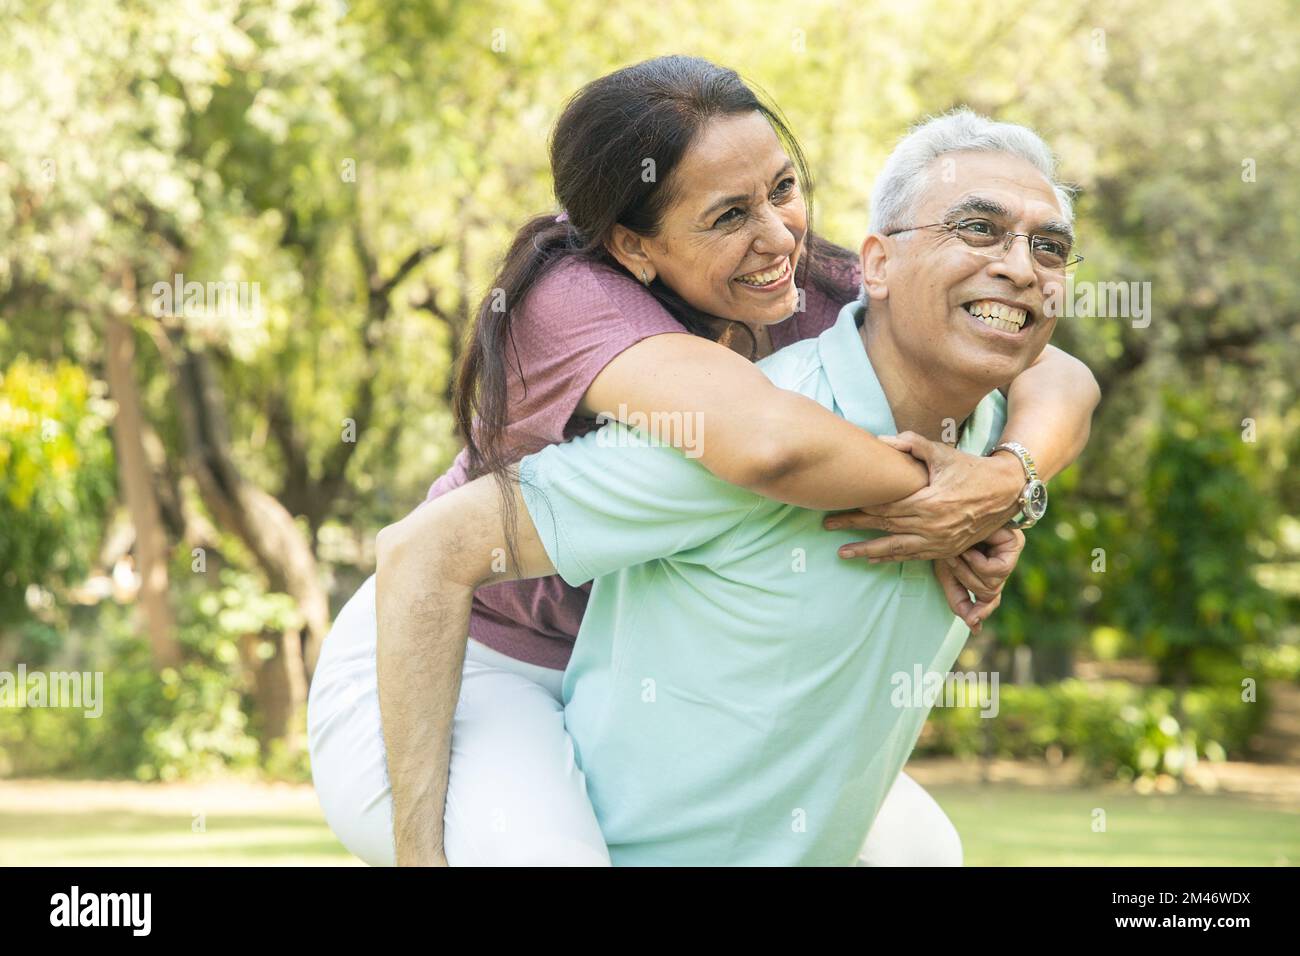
<point>56,478</point>
<point>182,723</point>
<point>197,720</point>
<point>1117,729</point>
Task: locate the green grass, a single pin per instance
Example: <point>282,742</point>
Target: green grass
<point>1011,825</point>
<point>125,838</point>
<point>1000,825</point>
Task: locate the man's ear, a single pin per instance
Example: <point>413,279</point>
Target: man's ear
<point>629,249</point>
<point>875,262</point>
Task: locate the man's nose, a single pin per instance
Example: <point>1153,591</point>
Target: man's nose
<point>1018,264</point>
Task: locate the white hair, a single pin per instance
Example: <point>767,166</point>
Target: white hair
<point>902,182</point>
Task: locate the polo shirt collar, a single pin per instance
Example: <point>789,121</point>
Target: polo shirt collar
<point>857,390</point>
<point>853,380</point>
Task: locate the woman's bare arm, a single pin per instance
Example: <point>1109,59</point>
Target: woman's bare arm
<point>429,564</point>
<point>746,430</point>
<point>784,446</point>
<point>1049,411</point>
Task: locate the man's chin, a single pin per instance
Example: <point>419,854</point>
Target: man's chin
<point>989,362</point>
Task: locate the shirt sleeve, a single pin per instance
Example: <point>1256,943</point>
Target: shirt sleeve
<point>452,478</point>
<point>987,424</point>
<point>611,499</point>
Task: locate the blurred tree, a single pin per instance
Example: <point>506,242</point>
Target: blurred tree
<point>364,165</point>
<point>1206,513</point>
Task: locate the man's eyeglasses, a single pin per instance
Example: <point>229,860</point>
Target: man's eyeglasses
<point>986,238</point>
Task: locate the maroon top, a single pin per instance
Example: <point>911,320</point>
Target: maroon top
<point>573,322</point>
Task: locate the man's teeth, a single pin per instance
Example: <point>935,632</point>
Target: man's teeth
<point>764,278</point>
<point>1004,318</point>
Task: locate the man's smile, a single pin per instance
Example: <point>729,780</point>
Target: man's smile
<point>1001,315</point>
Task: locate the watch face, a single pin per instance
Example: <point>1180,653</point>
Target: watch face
<point>1034,502</point>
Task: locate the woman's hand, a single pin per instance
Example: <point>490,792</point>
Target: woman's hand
<point>967,500</point>
<point>983,572</point>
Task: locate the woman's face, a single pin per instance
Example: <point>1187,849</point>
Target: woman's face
<point>730,240</point>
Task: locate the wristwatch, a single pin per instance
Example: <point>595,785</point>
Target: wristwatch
<point>1033,497</point>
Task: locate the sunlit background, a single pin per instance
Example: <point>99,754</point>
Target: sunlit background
<point>187,499</point>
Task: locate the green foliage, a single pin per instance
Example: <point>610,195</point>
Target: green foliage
<point>1116,729</point>
<point>1206,513</point>
<point>1167,565</point>
<point>289,762</point>
<point>179,724</point>
<point>1052,597</point>
<point>194,721</point>
<point>214,618</point>
<point>56,478</point>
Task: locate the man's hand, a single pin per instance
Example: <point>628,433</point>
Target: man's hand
<point>981,572</point>
<point>967,500</point>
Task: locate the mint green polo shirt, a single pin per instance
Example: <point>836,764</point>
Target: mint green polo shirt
<point>729,694</point>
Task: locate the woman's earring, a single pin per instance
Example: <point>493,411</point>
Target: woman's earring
<point>645,279</point>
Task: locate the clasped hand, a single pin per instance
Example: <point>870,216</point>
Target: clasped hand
<point>958,521</point>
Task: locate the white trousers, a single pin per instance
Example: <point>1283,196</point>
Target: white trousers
<point>515,795</point>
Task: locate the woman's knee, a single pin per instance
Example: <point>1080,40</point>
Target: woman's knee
<point>911,829</point>
<point>345,736</point>
<point>516,796</point>
<point>349,770</point>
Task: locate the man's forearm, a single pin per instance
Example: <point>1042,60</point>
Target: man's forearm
<point>423,621</point>
<point>429,565</point>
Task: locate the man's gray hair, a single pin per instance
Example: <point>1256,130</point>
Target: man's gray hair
<point>902,182</point>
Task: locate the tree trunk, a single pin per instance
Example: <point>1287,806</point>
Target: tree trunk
<point>135,479</point>
<point>260,521</point>
<point>280,688</point>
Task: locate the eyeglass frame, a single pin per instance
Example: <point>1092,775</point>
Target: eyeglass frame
<point>1008,240</point>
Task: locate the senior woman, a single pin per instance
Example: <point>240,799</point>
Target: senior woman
<point>684,252</point>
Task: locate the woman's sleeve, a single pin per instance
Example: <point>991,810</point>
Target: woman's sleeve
<point>573,323</point>
<point>578,318</point>
<point>452,478</point>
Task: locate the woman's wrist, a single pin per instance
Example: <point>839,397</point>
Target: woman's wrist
<point>1009,477</point>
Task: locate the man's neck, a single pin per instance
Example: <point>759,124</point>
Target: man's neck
<point>921,400</point>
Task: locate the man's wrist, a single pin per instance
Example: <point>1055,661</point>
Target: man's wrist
<point>422,853</point>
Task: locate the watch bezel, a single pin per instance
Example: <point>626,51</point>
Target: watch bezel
<point>1032,508</point>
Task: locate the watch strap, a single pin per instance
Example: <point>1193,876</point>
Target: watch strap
<point>1021,520</point>
<point>1021,452</point>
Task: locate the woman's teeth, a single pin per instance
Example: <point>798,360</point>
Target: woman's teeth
<point>768,277</point>
<point>1004,318</point>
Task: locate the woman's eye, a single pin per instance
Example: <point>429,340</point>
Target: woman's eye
<point>784,188</point>
<point>731,215</point>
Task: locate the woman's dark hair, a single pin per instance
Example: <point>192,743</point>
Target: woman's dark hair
<point>599,149</point>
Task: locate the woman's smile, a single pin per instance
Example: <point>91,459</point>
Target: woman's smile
<point>769,279</point>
